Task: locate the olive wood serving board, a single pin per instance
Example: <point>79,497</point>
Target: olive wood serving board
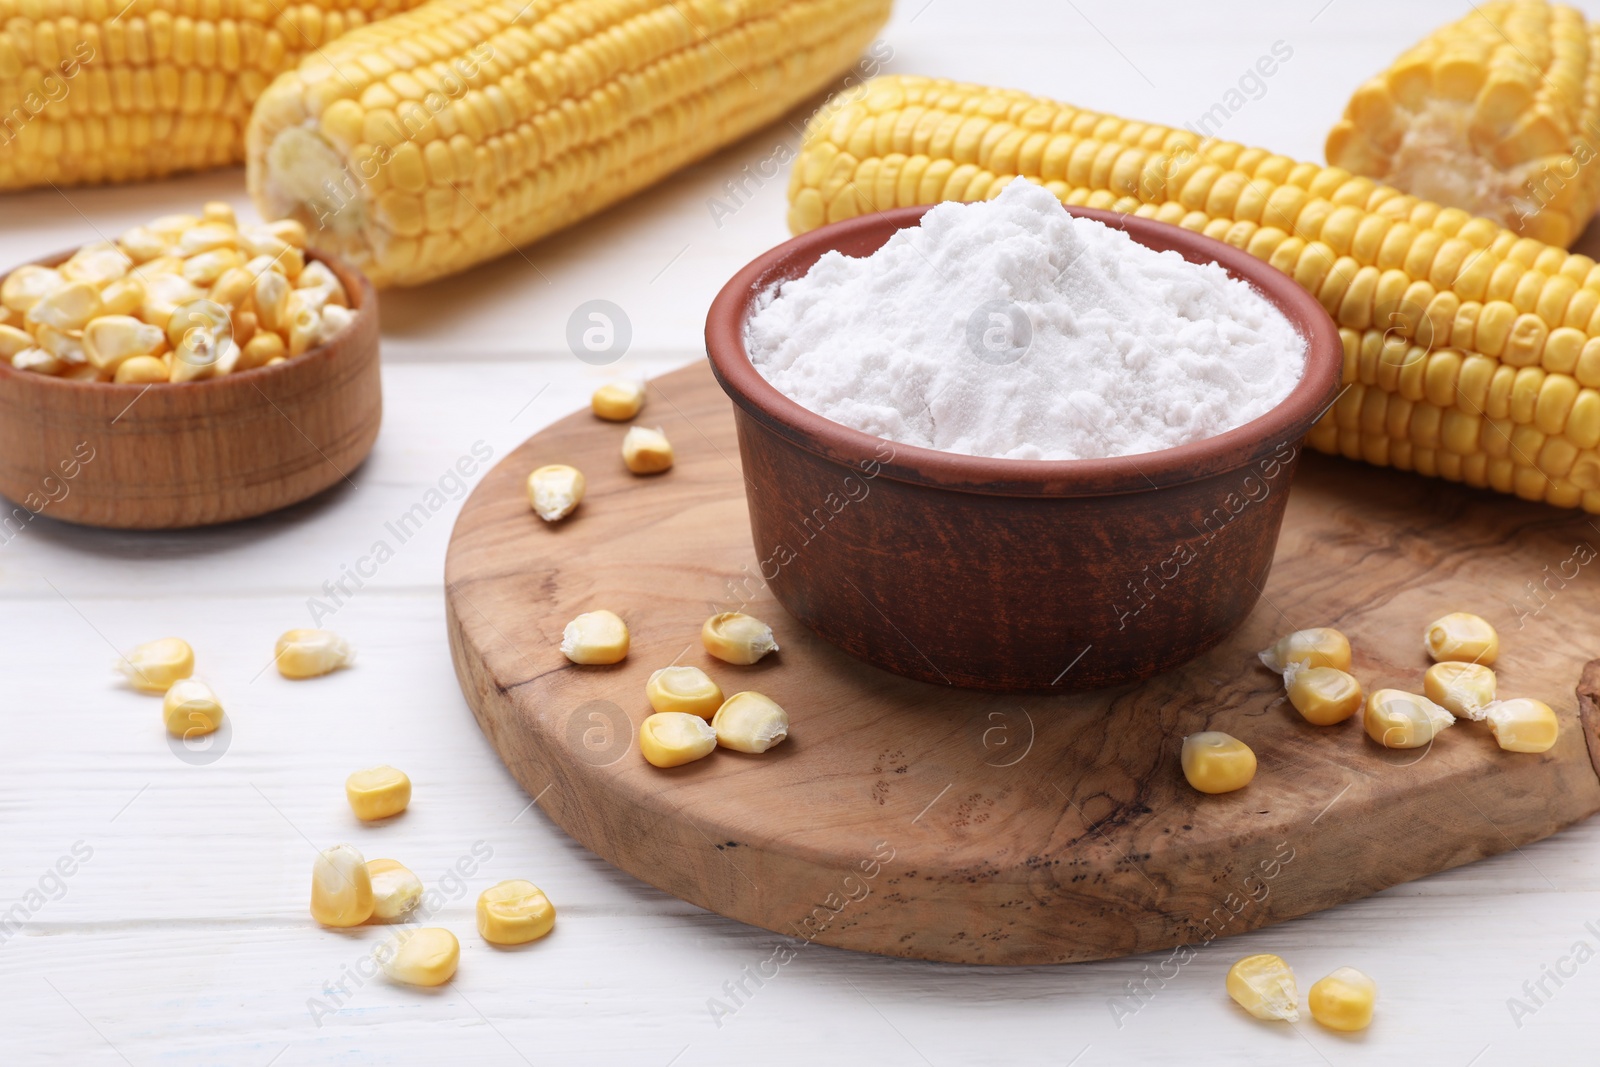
<point>914,820</point>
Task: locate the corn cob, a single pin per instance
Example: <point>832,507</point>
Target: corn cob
<point>1497,113</point>
<point>120,90</point>
<point>1470,353</point>
<point>427,143</point>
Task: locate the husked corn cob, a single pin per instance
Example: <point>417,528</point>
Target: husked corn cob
<point>117,91</point>
<point>438,139</point>
<point>1497,113</point>
<point>1471,353</point>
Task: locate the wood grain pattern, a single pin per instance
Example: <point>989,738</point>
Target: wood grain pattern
<point>981,828</point>
<point>168,456</point>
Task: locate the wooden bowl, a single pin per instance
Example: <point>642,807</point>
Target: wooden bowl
<point>1014,574</point>
<point>149,457</point>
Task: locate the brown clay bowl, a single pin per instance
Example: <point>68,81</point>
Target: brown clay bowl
<point>1014,574</point>
<point>167,456</point>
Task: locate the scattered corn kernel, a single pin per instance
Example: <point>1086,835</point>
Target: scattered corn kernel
<point>618,401</point>
<point>1343,1000</point>
<point>395,890</point>
<point>377,792</point>
<point>425,956</point>
<point>1319,647</point>
<point>673,738</point>
<point>1263,985</point>
<point>1324,695</point>
<point>555,491</point>
<point>646,451</point>
<point>1215,762</point>
<point>191,709</point>
<point>311,653</point>
<point>1463,689</point>
<point>514,912</point>
<point>686,689</point>
<point>1464,637</point>
<point>595,637</point>
<point>750,722</point>
<point>1523,725</point>
<point>341,889</point>
<point>1397,719</point>
<point>737,638</point>
<point>154,666</point>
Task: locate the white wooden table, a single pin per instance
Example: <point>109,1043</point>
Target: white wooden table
<point>183,936</point>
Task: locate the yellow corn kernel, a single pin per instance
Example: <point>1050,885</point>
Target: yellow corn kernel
<point>143,244</point>
<point>262,348</point>
<point>377,792</point>
<point>1397,719</point>
<point>27,285</point>
<point>108,340</point>
<point>673,738</point>
<point>39,361</point>
<point>1463,689</point>
<point>172,226</point>
<point>304,325</point>
<point>191,709</point>
<point>341,889</point>
<point>13,340</point>
<point>1215,762</point>
<point>1463,637</point>
<point>595,637</point>
<point>734,637</point>
<point>199,324</point>
<point>206,237</point>
<point>1523,725</point>
<point>1319,647</point>
<point>1343,1000</point>
<point>1263,985</point>
<point>750,722</point>
<point>514,912</point>
<point>618,401</point>
<point>685,689</point>
<point>425,956</point>
<point>154,666</point>
<point>69,307</point>
<point>271,300</point>
<point>555,491</point>
<point>219,212</point>
<point>122,297</point>
<point>311,653</point>
<point>98,264</point>
<point>334,320</point>
<point>646,451</point>
<point>141,370</point>
<point>1324,695</point>
<point>395,890</point>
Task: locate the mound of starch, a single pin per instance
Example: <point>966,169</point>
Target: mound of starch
<point>1011,329</point>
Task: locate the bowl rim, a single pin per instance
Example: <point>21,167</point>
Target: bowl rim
<point>1287,423</point>
<point>358,289</point>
